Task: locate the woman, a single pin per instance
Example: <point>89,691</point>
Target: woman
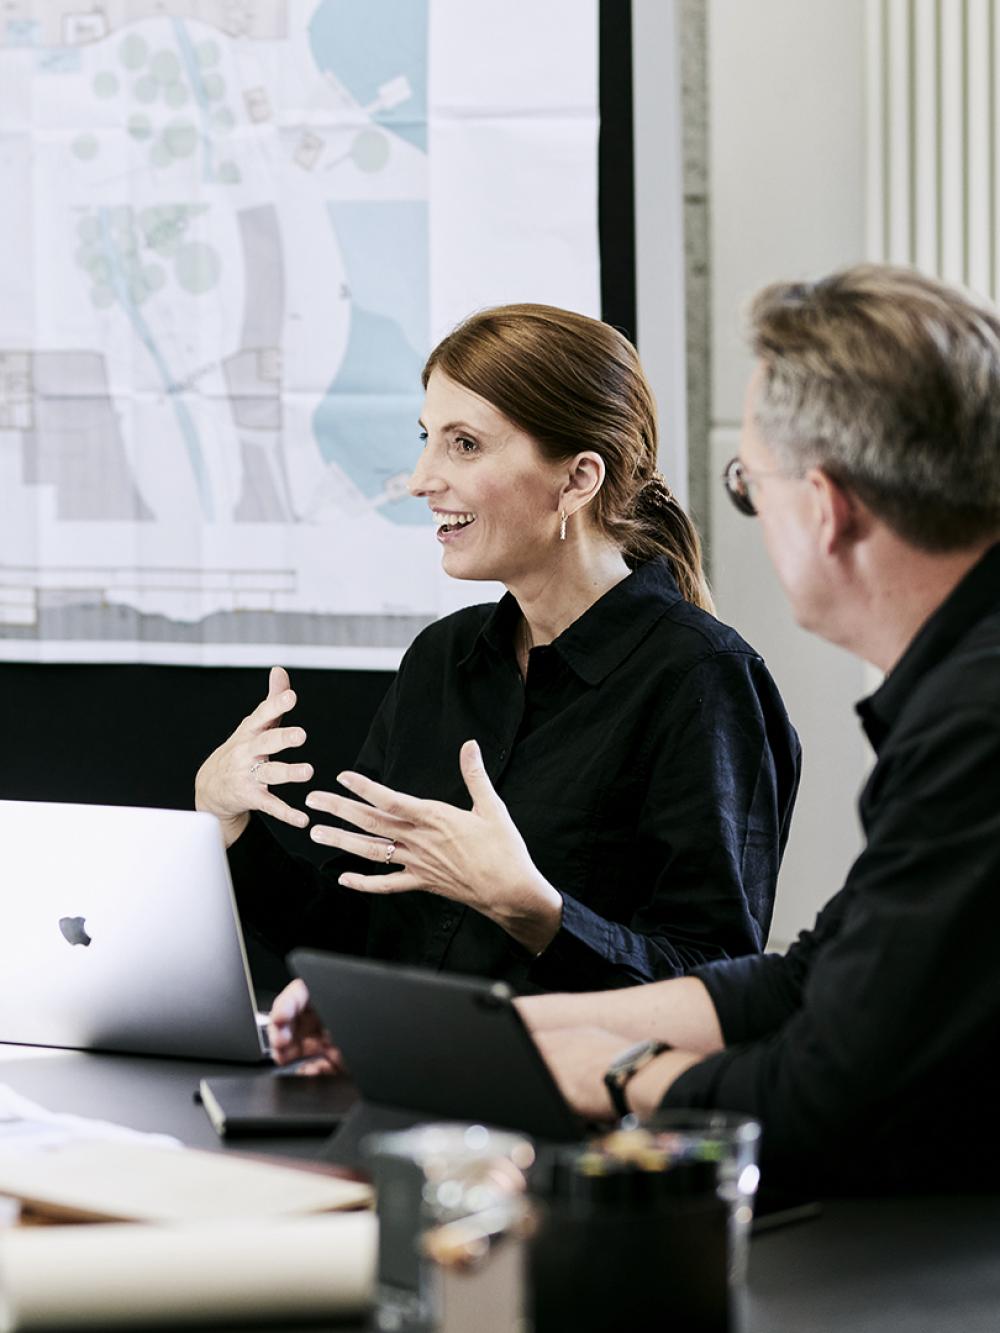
<point>628,761</point>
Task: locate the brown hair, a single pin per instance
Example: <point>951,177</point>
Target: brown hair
<point>890,382</point>
<point>573,383</point>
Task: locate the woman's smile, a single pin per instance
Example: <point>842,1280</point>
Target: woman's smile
<point>451,524</point>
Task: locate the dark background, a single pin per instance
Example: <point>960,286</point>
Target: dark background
<point>135,735</point>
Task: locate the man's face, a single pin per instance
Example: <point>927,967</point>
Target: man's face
<point>787,513</point>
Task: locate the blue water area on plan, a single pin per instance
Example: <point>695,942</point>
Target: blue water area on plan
<point>385,248</point>
<point>367,423</point>
<point>367,45</point>
<point>22,32</point>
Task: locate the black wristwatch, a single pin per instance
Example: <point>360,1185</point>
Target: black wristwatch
<point>624,1066</point>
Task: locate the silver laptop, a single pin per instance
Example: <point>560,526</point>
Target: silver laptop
<point>120,933</point>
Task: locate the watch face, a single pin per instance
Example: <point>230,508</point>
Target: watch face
<point>634,1057</point>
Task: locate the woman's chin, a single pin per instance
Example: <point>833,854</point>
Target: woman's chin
<point>458,566</point>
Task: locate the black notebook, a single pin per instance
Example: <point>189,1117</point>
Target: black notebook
<point>270,1103</point>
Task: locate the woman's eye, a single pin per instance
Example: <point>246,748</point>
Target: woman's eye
<point>466,446</point>
<point>422,436</point>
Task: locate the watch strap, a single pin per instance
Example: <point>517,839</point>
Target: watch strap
<point>625,1067</point>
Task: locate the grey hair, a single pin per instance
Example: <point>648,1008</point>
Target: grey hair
<point>889,382</point>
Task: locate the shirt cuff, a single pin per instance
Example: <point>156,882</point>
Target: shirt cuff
<point>579,955</point>
<point>747,1005</point>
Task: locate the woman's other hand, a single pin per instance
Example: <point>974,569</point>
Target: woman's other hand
<point>476,857</point>
<point>295,1033</point>
<point>236,777</point>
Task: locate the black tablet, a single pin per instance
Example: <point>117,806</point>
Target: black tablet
<point>445,1047</point>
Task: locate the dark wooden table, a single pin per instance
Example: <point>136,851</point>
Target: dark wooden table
<point>921,1265</point>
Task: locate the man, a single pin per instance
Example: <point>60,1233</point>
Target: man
<point>871,454</point>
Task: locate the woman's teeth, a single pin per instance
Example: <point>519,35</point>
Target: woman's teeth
<point>451,522</point>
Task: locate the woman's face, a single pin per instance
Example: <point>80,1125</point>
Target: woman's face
<point>493,496</point>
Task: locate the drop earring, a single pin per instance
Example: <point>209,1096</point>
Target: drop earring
<point>562,525</point>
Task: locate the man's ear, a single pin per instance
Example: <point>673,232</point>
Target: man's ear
<point>584,479</point>
<point>839,515</point>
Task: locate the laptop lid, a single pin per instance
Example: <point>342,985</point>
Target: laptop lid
<point>120,933</point>
<point>445,1046</point>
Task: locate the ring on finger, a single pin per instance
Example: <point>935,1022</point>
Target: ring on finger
<point>390,852</point>
<point>255,768</point>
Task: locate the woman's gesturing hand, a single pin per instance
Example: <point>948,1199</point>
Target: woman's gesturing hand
<point>476,856</point>
<point>236,777</point>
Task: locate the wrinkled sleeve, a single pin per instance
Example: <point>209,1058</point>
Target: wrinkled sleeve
<point>288,900</point>
<point>754,996</point>
<point>903,991</point>
<point>722,764</point>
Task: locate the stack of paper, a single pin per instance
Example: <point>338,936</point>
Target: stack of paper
<point>184,1235</point>
<point>103,1276</point>
<point>138,1182</point>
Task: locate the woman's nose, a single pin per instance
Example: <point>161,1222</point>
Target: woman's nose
<point>424,479</point>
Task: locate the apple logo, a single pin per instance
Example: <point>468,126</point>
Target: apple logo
<point>73,929</point>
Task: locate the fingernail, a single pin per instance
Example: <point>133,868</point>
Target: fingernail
<point>311,800</point>
<point>346,780</point>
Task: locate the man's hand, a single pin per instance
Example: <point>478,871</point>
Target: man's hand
<point>295,1033</point>
<point>579,1058</point>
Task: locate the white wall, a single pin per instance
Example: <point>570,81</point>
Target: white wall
<point>659,226</point>
<point>787,164</point>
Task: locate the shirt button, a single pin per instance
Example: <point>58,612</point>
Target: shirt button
<point>503,754</point>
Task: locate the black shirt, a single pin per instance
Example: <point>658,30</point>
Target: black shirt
<point>870,1051</point>
<point>647,762</point>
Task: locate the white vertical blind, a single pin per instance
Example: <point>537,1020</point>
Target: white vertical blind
<point>933,176</point>
<point>899,129</point>
<point>927,133</point>
<point>979,140</point>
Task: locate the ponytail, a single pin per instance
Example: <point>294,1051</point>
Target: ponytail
<point>659,526</point>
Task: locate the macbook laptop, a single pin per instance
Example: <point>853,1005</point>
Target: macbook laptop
<point>426,1046</point>
<point>120,933</point>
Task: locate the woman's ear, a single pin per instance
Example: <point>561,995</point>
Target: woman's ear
<point>584,480</point>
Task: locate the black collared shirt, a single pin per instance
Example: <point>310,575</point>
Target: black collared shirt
<point>647,761</point>
<point>870,1051</point>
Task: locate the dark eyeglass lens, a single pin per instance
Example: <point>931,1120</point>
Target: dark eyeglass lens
<point>737,490</point>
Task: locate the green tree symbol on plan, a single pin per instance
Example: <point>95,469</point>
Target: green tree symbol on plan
<point>128,257</point>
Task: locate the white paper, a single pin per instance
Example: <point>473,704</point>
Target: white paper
<point>26,1127</point>
<point>133,1181</point>
<point>103,1275</point>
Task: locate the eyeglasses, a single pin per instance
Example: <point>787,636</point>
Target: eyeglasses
<point>738,479</point>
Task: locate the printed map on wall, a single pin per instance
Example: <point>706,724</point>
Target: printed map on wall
<point>232,231</point>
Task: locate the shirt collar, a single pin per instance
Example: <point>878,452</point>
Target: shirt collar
<point>971,599</point>
<point>606,633</point>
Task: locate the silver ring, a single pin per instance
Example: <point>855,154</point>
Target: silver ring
<point>257,764</point>
<point>390,852</point>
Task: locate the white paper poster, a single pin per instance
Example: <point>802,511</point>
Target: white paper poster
<point>231,232</point>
